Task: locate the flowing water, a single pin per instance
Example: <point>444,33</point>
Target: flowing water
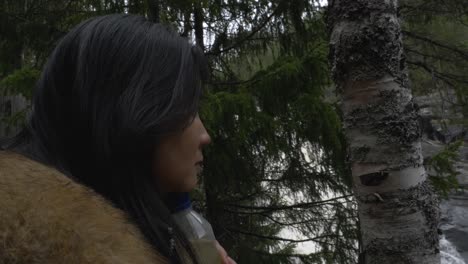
<point>448,253</point>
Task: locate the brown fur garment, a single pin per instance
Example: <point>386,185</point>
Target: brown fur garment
<point>47,218</point>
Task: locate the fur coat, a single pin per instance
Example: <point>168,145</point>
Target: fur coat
<point>47,218</point>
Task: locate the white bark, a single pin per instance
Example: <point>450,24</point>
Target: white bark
<point>397,207</point>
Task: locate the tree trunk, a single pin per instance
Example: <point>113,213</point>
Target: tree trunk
<point>198,24</point>
<point>398,209</point>
<point>154,10</point>
<point>134,6</point>
<point>9,106</point>
<point>187,24</point>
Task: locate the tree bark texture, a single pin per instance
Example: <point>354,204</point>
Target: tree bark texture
<point>154,10</point>
<point>198,24</point>
<point>10,105</point>
<point>398,209</point>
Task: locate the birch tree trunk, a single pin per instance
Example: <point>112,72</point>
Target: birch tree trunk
<point>398,210</point>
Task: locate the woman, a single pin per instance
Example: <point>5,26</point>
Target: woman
<point>115,110</point>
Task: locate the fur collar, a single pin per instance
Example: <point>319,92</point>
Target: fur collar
<point>47,218</point>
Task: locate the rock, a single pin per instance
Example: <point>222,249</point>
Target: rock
<point>437,132</point>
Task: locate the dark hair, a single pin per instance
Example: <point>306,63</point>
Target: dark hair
<point>111,89</point>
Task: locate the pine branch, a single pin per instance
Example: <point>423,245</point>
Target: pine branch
<point>252,33</point>
<point>446,77</point>
<point>436,43</point>
<point>284,254</point>
<point>286,207</point>
<point>307,221</point>
<point>315,239</point>
<point>441,58</point>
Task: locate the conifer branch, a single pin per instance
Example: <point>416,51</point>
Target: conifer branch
<point>315,239</point>
<point>294,206</point>
<point>436,43</point>
<point>252,33</point>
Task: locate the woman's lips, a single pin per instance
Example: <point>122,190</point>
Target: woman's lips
<point>199,166</point>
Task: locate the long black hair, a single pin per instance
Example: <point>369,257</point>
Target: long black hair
<point>113,86</point>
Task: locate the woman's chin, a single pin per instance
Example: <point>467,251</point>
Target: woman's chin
<point>189,185</point>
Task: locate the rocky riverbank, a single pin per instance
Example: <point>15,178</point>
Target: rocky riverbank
<point>438,130</point>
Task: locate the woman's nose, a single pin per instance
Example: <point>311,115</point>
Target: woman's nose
<point>205,138</point>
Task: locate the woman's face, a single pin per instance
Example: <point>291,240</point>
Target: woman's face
<point>179,158</point>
